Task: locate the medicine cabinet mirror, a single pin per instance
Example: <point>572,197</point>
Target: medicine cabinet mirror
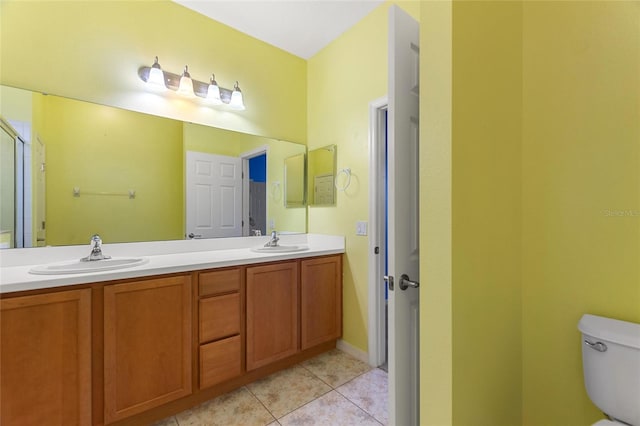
<point>321,175</point>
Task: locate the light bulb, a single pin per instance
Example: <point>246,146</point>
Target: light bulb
<point>213,92</point>
<point>237,102</point>
<point>186,84</point>
<point>155,79</point>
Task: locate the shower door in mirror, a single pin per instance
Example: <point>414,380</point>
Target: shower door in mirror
<point>15,189</point>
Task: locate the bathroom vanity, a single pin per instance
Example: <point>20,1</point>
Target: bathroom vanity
<point>136,345</point>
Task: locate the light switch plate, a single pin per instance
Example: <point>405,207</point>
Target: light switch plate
<point>361,228</point>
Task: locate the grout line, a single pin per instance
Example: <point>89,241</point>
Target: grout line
<point>307,403</point>
<point>261,403</point>
<point>354,402</point>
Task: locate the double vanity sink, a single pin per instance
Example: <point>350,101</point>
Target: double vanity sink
<point>84,267</point>
<point>46,267</point>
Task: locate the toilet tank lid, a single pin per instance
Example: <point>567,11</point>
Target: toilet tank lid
<point>612,330</point>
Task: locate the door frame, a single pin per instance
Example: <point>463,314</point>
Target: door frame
<point>377,234</point>
<point>245,157</point>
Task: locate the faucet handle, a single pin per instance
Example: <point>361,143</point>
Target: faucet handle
<point>96,241</point>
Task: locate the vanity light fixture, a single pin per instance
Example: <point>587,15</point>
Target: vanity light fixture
<point>183,84</point>
<point>186,84</point>
<point>236,98</point>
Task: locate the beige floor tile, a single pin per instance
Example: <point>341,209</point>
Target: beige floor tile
<point>336,367</point>
<point>169,421</point>
<point>239,407</point>
<point>369,392</point>
<point>331,409</point>
<point>287,390</point>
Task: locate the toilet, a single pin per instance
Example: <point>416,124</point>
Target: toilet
<point>611,364</point>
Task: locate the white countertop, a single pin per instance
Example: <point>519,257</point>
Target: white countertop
<point>165,257</point>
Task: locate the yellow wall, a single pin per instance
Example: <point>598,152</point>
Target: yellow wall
<point>545,199</point>
<point>436,368</point>
<point>16,104</point>
<point>92,50</point>
<point>343,79</point>
<point>93,148</point>
<point>486,207</point>
<point>581,165</point>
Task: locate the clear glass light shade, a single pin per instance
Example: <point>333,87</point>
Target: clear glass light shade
<point>186,85</point>
<point>237,102</point>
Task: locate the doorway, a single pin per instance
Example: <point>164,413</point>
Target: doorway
<point>258,195</point>
<point>378,295</point>
<point>254,191</point>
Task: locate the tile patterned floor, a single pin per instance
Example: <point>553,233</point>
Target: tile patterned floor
<point>331,389</point>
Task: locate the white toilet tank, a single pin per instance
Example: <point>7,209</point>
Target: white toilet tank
<point>611,363</point>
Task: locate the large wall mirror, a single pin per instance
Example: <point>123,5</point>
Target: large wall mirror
<point>321,176</point>
<point>123,174</point>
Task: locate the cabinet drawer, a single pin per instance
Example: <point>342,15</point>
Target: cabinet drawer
<point>219,317</point>
<point>220,361</point>
<point>218,282</point>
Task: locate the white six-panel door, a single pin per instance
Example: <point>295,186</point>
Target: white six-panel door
<point>213,195</point>
<point>403,219</point>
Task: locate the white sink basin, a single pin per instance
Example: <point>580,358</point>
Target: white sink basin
<point>79,267</point>
<point>279,249</point>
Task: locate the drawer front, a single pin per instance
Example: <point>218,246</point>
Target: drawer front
<point>220,361</point>
<point>219,282</point>
<point>219,317</point>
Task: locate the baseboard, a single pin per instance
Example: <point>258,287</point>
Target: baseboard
<point>352,350</point>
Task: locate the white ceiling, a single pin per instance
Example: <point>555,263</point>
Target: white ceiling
<point>300,27</point>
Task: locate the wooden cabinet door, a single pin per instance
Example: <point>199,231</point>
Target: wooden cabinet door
<point>147,344</point>
<point>320,300</point>
<point>45,359</point>
<point>272,313</point>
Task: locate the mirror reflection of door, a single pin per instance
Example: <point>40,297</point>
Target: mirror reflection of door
<point>321,172</point>
<point>213,196</point>
<point>258,195</point>
<point>323,189</point>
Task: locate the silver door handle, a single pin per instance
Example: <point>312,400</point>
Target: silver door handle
<point>389,280</point>
<point>405,282</point>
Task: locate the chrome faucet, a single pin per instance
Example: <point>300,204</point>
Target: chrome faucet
<point>96,250</point>
<point>273,242</point>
